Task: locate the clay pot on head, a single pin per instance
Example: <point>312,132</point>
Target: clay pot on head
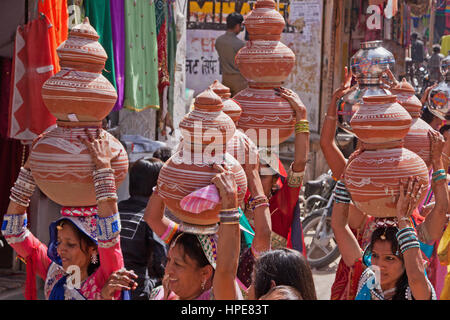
<point>373,179</point>
<point>79,92</point>
<point>206,131</point>
<point>230,106</point>
<point>267,119</point>
<point>62,167</point>
<point>380,119</point>
<point>417,139</point>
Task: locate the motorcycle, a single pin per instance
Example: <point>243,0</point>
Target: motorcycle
<point>321,247</point>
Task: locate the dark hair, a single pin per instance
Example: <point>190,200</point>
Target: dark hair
<point>414,35</point>
<point>390,234</point>
<point>163,153</point>
<point>444,128</point>
<point>191,247</point>
<point>427,116</point>
<point>144,176</point>
<point>85,243</point>
<point>285,267</point>
<point>436,48</point>
<point>282,293</point>
<point>234,19</point>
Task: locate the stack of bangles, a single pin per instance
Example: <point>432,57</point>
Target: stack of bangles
<point>341,194</point>
<point>407,239</point>
<point>104,183</point>
<point>258,201</point>
<point>23,188</point>
<point>439,175</point>
<point>229,216</point>
<point>302,126</point>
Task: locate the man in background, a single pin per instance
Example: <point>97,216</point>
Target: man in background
<point>227,46</point>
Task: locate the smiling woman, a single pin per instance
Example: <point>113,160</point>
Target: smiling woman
<point>84,246</point>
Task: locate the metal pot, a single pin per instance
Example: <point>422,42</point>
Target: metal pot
<point>367,64</point>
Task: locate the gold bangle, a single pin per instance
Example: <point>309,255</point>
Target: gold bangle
<point>229,222</point>
<point>233,209</point>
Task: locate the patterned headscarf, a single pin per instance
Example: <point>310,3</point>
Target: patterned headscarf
<point>84,219</point>
<point>209,246</point>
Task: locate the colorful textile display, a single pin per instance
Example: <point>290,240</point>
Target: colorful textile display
<point>99,14</point>
<point>32,66</point>
<point>56,12</point>
<point>118,38</point>
<point>141,56</point>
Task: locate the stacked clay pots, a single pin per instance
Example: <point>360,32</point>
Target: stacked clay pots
<point>265,62</point>
<point>80,97</point>
<point>206,131</point>
<point>417,139</point>
<point>373,176</point>
<point>241,147</point>
<point>367,64</point>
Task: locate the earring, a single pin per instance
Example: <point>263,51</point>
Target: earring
<point>203,285</point>
<point>94,259</point>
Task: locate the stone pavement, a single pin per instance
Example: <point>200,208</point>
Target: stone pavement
<point>11,283</point>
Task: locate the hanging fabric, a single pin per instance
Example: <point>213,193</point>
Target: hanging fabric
<point>56,12</point>
<point>118,38</point>
<point>171,55</point>
<point>32,66</point>
<point>141,56</point>
<point>161,15</point>
<point>99,14</point>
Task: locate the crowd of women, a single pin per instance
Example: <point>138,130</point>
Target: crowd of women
<point>258,251</point>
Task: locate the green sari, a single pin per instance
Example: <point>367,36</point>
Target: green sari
<point>141,56</point>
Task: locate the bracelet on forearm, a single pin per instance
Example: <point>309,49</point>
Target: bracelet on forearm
<point>302,126</point>
<point>104,183</point>
<point>440,176</point>
<point>171,230</point>
<point>438,172</point>
<point>341,194</point>
<point>258,201</point>
<point>23,188</point>
<point>407,239</point>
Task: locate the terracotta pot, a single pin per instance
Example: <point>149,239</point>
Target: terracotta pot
<point>82,50</point>
<point>204,129</point>
<point>417,138</point>
<point>206,124</point>
<point>265,61</point>
<point>264,22</point>
<point>373,179</point>
<point>177,179</point>
<point>62,166</point>
<point>79,92</point>
<point>380,119</point>
<point>230,106</point>
<point>73,95</point>
<point>266,118</point>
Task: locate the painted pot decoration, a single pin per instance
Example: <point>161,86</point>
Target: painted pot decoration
<point>373,176</point>
<point>230,106</point>
<point>266,118</point>
<point>373,179</point>
<point>367,64</point>
<point>206,131</point>
<point>266,63</point>
<point>417,139</point>
<point>380,119</point>
<point>62,167</point>
<point>79,92</point>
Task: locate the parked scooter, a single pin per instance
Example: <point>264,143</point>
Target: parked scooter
<point>321,247</point>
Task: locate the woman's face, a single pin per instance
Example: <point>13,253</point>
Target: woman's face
<point>185,278</point>
<point>391,266</point>
<point>69,248</point>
